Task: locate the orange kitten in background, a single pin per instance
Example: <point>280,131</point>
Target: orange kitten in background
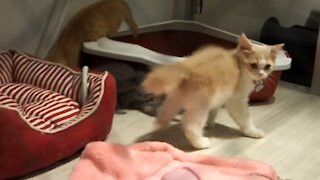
<point>208,79</point>
<point>100,19</point>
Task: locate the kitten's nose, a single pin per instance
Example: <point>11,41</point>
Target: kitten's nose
<point>261,73</point>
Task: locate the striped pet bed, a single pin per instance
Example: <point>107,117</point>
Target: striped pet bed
<point>45,95</point>
<point>44,115</point>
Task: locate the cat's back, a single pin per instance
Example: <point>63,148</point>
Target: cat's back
<point>104,16</point>
<point>212,59</point>
<point>213,68</point>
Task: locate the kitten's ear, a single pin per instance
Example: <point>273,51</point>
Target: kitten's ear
<point>276,48</point>
<point>244,43</point>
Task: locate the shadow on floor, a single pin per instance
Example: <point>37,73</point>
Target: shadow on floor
<point>174,135</point>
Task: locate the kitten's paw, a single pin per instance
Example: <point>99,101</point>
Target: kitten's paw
<point>253,132</point>
<point>201,143</point>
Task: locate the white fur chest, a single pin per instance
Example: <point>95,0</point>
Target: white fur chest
<point>245,86</point>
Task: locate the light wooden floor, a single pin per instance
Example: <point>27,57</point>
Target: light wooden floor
<point>291,144</point>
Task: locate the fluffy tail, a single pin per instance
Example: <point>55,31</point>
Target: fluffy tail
<point>165,79</point>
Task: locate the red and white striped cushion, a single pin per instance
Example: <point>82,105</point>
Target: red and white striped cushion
<point>41,109</point>
<point>33,71</point>
<point>7,101</point>
<point>28,80</point>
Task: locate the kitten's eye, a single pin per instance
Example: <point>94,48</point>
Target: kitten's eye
<point>254,66</point>
<point>267,67</point>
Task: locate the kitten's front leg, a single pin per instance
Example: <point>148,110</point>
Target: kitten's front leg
<point>238,110</point>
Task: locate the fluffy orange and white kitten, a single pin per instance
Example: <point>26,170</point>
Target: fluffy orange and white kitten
<point>210,78</point>
<point>100,19</point>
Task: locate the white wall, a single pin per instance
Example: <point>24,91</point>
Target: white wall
<point>23,22</point>
<point>248,15</point>
<point>151,11</point>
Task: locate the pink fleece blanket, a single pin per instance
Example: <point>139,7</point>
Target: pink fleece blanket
<point>161,161</point>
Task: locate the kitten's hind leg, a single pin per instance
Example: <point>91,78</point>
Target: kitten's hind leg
<point>193,122</point>
<point>170,107</point>
<point>238,110</point>
<point>212,117</point>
